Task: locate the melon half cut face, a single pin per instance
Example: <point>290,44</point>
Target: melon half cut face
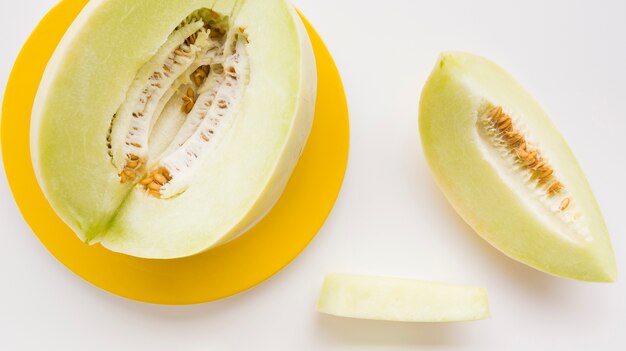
<point>509,173</point>
<point>164,128</point>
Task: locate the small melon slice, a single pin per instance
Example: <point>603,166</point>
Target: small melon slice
<point>164,128</point>
<point>509,173</point>
<point>403,300</point>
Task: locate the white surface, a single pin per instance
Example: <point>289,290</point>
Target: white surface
<point>390,218</point>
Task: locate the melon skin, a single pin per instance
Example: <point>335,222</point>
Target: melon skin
<point>235,185</point>
<point>403,300</point>
<point>486,194</point>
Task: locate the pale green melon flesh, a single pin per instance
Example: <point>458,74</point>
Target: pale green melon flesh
<point>395,299</point>
<point>486,184</point>
<point>237,179</point>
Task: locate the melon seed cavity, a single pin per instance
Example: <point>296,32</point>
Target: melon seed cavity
<point>527,156</point>
<point>505,134</point>
<point>203,67</point>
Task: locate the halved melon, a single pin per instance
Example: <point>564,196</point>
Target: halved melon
<point>403,300</point>
<point>508,172</point>
<point>164,128</point>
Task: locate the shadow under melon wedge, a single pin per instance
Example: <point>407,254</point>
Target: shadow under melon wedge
<point>509,173</point>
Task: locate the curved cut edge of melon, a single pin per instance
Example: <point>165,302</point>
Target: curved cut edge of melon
<point>298,136</point>
<point>59,200</point>
<point>402,300</point>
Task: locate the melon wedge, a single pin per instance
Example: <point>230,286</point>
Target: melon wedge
<point>508,172</point>
<point>403,300</point>
<point>164,128</point>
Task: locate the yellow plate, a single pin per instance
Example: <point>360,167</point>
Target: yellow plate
<point>218,273</point>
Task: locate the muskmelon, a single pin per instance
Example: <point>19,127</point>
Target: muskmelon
<point>507,170</point>
<point>164,128</point>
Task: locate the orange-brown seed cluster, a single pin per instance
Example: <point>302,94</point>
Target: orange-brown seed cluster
<point>527,156</point>
<point>155,181</point>
<point>129,172</point>
<point>189,101</point>
<point>192,39</point>
<point>217,33</point>
<point>199,75</point>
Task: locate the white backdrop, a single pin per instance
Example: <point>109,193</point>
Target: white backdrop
<point>390,217</point>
